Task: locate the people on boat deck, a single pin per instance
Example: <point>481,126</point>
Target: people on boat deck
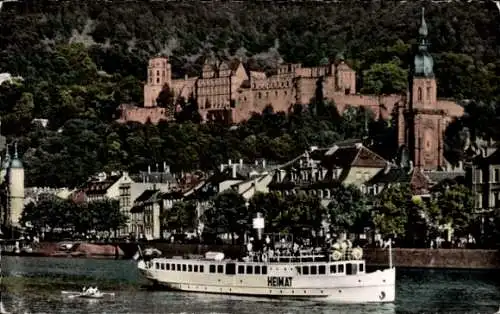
<point>263,249</point>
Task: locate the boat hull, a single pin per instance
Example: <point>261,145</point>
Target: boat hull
<point>375,287</point>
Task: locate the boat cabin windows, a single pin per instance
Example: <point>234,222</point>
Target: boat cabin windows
<point>252,269</point>
<point>314,270</point>
<point>230,269</point>
<point>179,267</point>
<point>216,268</point>
<point>321,269</point>
<point>305,270</point>
<point>333,269</point>
<point>340,268</point>
<point>361,267</point>
<point>351,269</point>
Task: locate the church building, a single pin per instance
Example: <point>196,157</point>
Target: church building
<point>423,119</point>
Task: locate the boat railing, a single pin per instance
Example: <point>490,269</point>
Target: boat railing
<point>306,255</point>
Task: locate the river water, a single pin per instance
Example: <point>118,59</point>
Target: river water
<point>34,286</point>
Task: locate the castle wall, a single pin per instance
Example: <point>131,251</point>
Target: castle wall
<point>379,105</point>
<point>142,115</point>
<point>184,87</point>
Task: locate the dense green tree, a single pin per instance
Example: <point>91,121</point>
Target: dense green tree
<point>180,218</point>
<point>227,214</point>
<point>348,210</point>
<point>390,214</point>
<point>56,214</point>
<point>456,203</point>
<point>385,78</point>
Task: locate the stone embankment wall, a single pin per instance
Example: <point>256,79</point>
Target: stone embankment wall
<point>411,258</point>
<point>435,258</point>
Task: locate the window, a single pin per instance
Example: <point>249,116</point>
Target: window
<point>249,269</point>
<point>314,270</point>
<point>257,270</point>
<point>419,94</point>
<point>298,269</point>
<point>428,94</point>
<point>212,268</point>
<point>178,267</point>
<point>162,266</point>
<point>230,269</point>
<point>195,268</point>
<point>361,267</point>
<point>220,269</point>
<point>241,269</point>
<point>157,265</point>
<point>172,266</point>
<point>264,270</point>
<point>322,269</point>
<point>201,269</point>
<point>184,267</point>
<point>341,268</point>
<point>351,269</point>
<point>168,266</point>
<point>497,175</point>
<point>333,269</point>
<point>305,270</point>
<point>190,268</point>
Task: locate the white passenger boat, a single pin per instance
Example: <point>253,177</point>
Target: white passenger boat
<point>282,269</point>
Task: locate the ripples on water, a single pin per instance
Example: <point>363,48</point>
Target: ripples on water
<point>35,286</point>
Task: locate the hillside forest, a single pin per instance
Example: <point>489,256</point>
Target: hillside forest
<point>80,60</point>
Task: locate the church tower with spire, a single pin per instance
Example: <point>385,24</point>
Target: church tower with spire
<point>425,120</point>
<point>16,190</point>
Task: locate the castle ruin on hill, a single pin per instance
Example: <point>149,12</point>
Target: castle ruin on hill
<point>226,91</point>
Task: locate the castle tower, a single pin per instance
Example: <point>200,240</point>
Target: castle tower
<point>159,74</point>
<point>424,119</point>
<point>16,190</point>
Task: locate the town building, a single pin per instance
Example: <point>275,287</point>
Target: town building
<point>122,187</point>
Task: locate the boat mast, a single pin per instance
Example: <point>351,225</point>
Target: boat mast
<point>390,253</point>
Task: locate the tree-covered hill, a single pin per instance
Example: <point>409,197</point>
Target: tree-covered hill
<point>122,35</point>
<point>81,59</point>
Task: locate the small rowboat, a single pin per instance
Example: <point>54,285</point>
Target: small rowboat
<point>87,295</point>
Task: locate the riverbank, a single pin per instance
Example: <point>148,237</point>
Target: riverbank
<point>375,257</point>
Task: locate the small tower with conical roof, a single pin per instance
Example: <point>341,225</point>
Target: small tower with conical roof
<point>16,189</point>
